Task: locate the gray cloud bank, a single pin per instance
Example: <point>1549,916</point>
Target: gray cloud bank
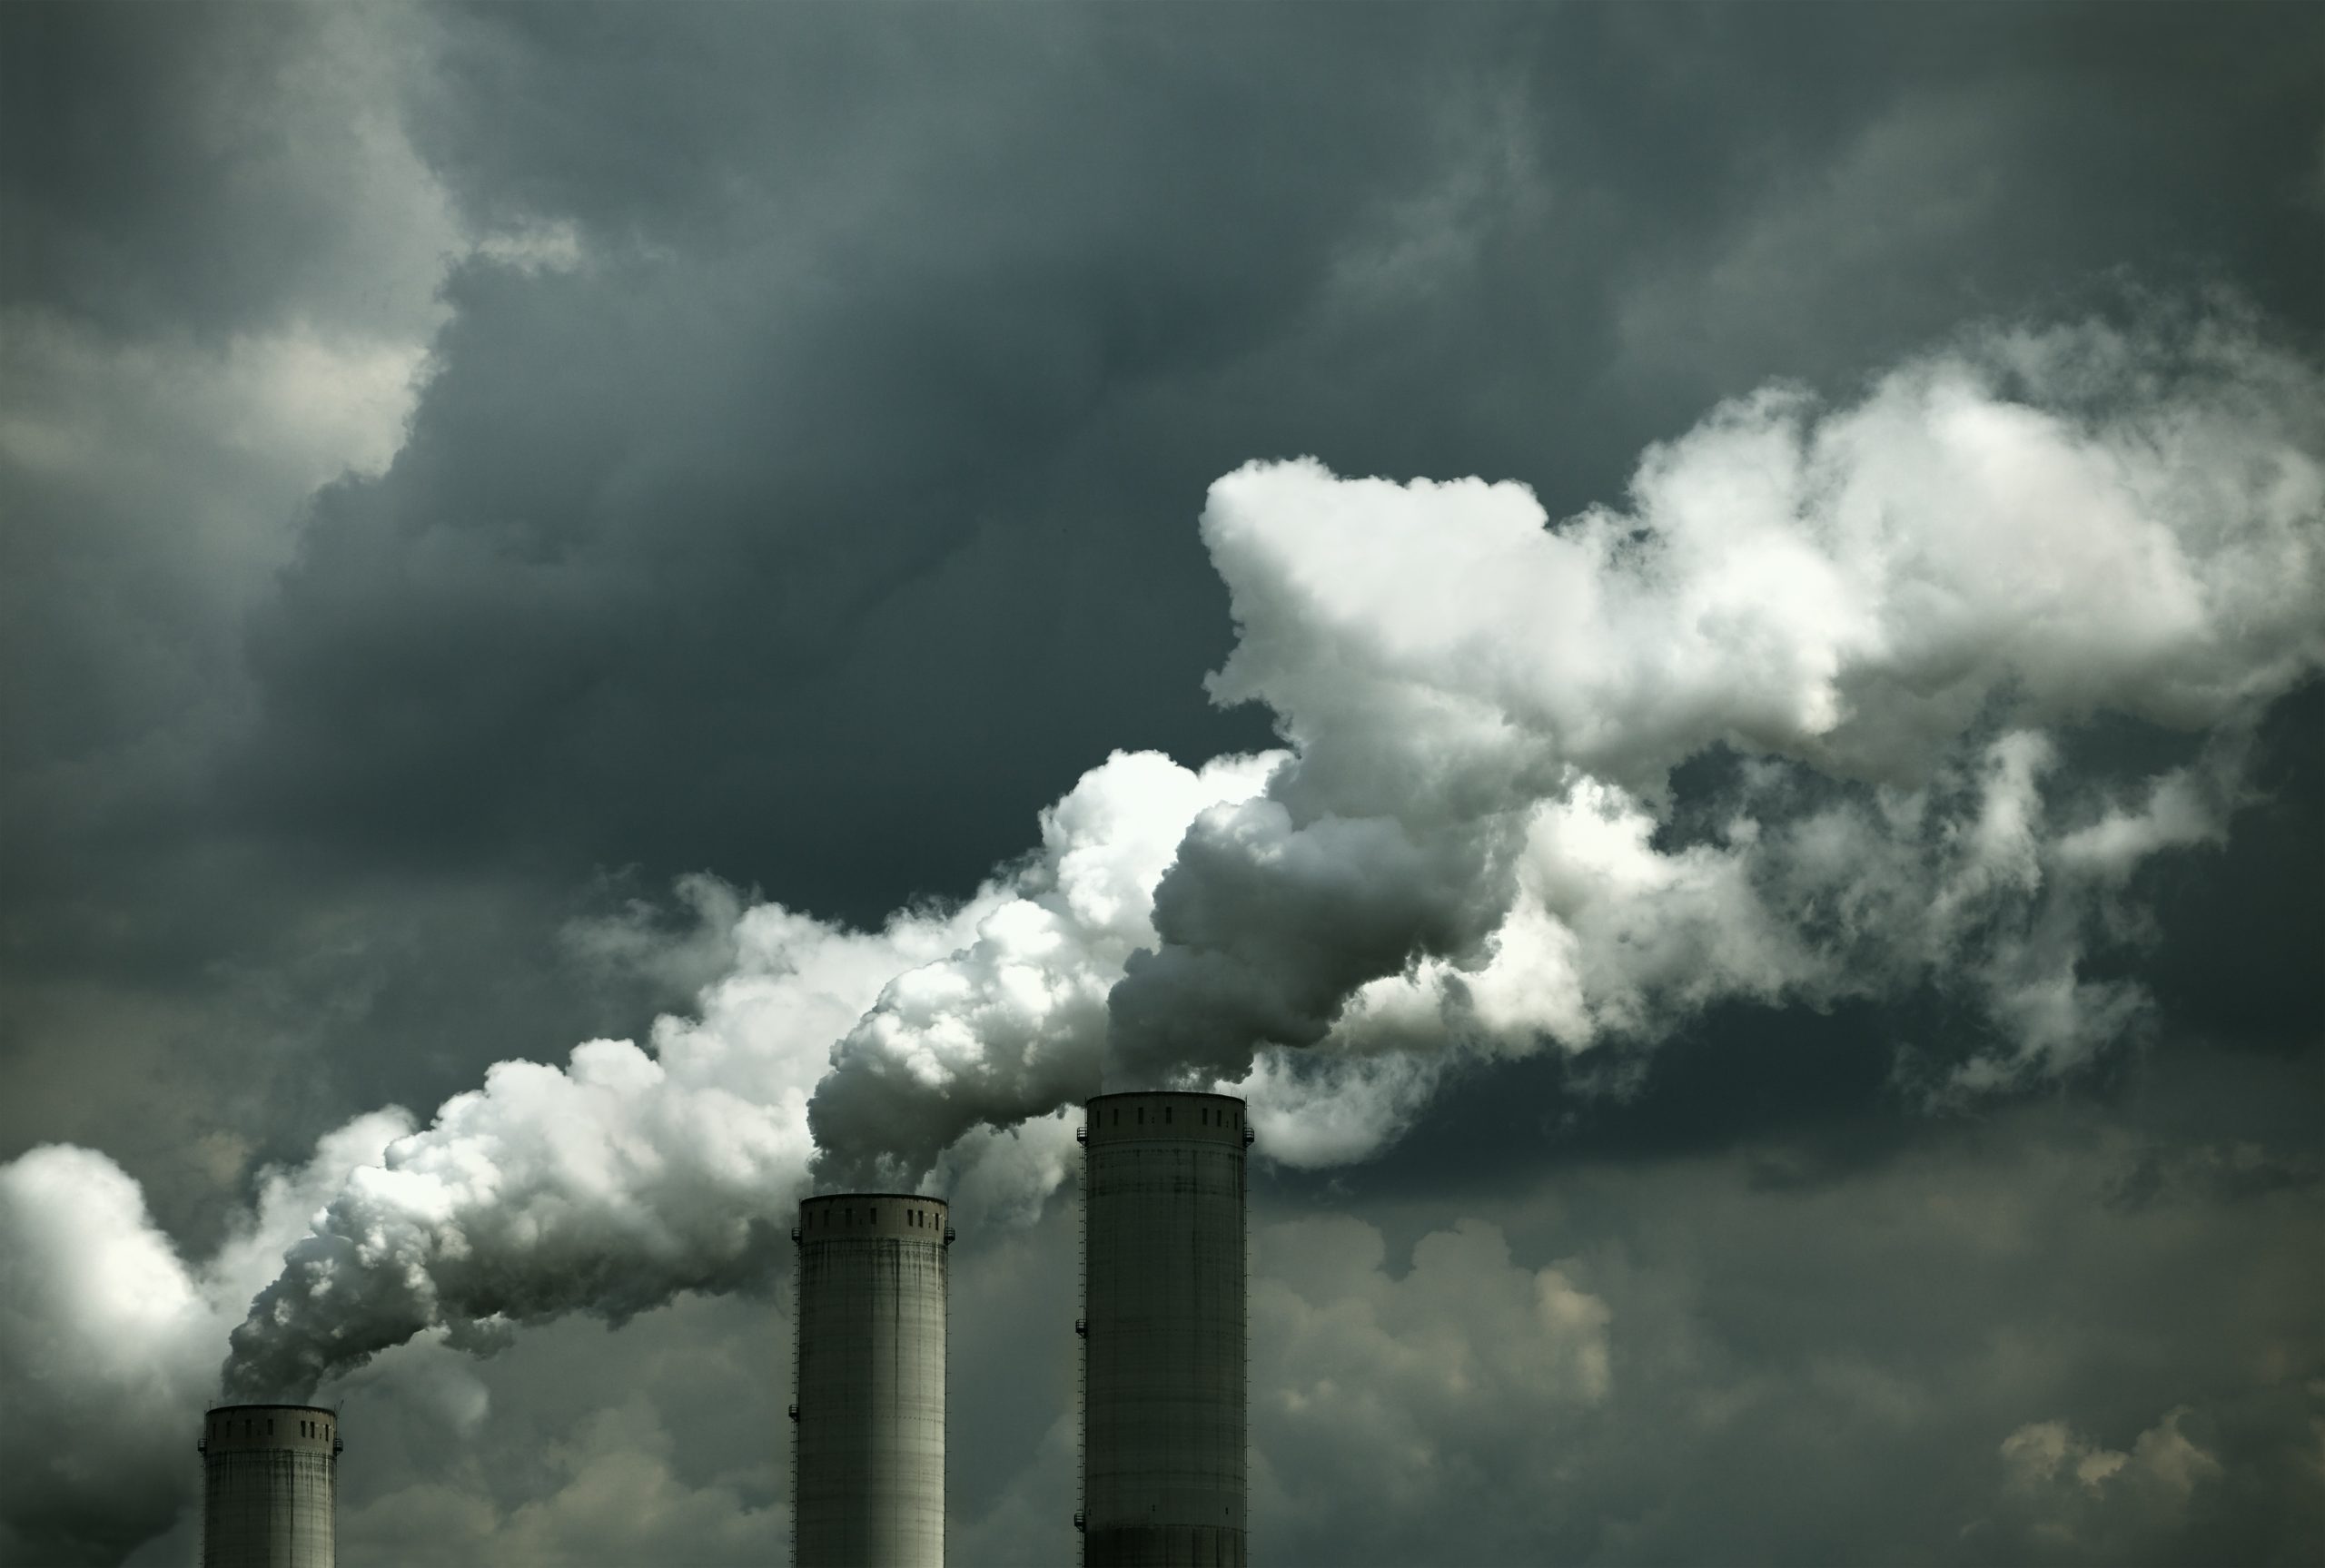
<point>466,468</point>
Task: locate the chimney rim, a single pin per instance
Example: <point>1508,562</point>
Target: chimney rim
<point>1165,1094</point>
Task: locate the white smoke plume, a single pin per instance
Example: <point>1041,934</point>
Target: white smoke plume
<point>1889,618</point>
<point>1881,626</point>
<point>632,1174</point>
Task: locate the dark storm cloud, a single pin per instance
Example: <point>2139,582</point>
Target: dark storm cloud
<point>803,488</point>
<point>869,404</point>
<point>626,577</point>
<point>860,448</point>
<point>2241,923</point>
<point>184,168</point>
<point>965,335</point>
<point>219,260</point>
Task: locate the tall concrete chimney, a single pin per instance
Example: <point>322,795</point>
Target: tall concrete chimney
<point>270,1487</point>
<point>868,1455</point>
<point>1163,1360</point>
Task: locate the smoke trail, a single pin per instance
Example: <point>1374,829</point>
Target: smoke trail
<point>630,1175</point>
<point>1877,627</point>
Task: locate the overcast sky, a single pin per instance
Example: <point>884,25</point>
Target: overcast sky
<point>1688,641</point>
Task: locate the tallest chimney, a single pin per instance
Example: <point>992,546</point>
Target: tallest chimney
<point>1162,1395</point>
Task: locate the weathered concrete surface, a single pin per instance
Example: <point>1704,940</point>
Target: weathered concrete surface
<point>1163,1359</point>
<point>869,1478</point>
<point>270,1487</point>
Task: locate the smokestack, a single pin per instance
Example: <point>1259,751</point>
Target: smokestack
<point>868,1462</point>
<point>270,1487</point>
<point>1163,1360</point>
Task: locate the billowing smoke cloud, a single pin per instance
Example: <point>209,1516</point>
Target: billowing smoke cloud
<point>1878,626</point>
<point>1806,720</point>
<point>1013,1025</point>
<point>1878,632</point>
